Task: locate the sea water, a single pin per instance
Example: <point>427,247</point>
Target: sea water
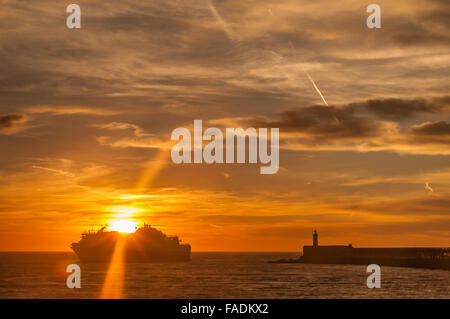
<point>215,275</point>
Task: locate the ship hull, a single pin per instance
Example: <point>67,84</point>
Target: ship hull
<point>101,254</point>
<point>134,251</point>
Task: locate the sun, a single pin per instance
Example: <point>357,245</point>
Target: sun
<point>123,226</point>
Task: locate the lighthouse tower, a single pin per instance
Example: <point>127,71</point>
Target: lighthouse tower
<point>315,239</point>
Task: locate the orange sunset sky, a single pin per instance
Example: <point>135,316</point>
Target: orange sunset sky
<point>86,115</point>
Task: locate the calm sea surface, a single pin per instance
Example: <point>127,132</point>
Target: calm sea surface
<point>215,275</point>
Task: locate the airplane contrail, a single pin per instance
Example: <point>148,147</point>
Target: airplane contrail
<point>315,86</point>
<point>310,78</point>
<point>231,35</point>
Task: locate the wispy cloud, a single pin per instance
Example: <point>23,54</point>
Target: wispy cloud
<point>139,138</point>
<point>53,170</point>
<point>428,188</point>
<point>61,110</point>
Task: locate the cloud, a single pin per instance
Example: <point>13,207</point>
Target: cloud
<point>324,122</point>
<point>352,120</point>
<point>56,171</point>
<point>12,123</point>
<point>430,27</point>
<point>398,109</point>
<point>430,133</point>
<point>61,110</point>
<point>7,121</point>
<point>352,127</point>
<point>138,131</point>
<point>144,84</point>
<point>139,138</point>
<point>432,129</point>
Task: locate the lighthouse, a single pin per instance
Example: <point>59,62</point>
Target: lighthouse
<point>315,239</point>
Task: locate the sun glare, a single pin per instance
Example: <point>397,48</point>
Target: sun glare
<point>123,226</point>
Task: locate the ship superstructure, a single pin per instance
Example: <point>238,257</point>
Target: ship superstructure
<point>147,244</point>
